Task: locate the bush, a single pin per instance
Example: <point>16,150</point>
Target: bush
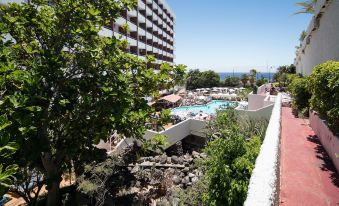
<point>324,86</point>
<point>233,146</point>
<point>301,96</point>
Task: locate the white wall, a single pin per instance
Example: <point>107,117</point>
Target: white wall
<point>264,182</point>
<point>173,134</point>
<point>323,41</point>
<point>262,113</point>
<point>255,101</point>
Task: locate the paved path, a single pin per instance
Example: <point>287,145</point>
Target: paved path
<point>307,176</point>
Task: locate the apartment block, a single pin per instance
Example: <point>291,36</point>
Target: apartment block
<point>150,30</point>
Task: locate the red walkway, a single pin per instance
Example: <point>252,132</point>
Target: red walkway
<point>307,176</point>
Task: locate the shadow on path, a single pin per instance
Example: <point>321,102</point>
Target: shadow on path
<point>327,164</point>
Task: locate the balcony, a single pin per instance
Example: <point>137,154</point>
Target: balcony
<point>141,5</point>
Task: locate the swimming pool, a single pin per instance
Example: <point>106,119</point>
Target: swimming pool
<point>210,108</point>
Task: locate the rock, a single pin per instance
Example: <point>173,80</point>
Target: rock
<point>185,170</point>
<point>195,154</point>
<point>175,160</point>
<point>157,159</point>
<point>170,171</point>
<point>191,175</point>
<point>176,180</point>
<point>194,179</point>
<point>189,184</point>
<point>163,159</point>
<point>185,180</point>
<point>151,159</point>
<point>182,174</point>
<point>135,169</point>
<point>203,155</point>
<point>142,159</point>
<point>168,160</point>
<point>181,160</point>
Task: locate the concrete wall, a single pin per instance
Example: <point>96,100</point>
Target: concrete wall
<point>255,101</point>
<point>327,138</point>
<point>262,113</point>
<point>264,182</point>
<point>322,42</point>
<point>173,134</point>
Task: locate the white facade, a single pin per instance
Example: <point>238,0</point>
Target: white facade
<point>322,41</point>
<point>151,30</point>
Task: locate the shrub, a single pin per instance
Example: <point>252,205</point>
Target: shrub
<point>324,86</point>
<point>234,143</point>
<point>301,96</point>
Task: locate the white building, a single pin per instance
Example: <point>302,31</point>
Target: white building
<point>151,29</point>
<point>322,41</point>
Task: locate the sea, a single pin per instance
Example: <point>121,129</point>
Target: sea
<point>260,75</point>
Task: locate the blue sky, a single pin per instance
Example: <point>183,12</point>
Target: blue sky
<point>223,35</point>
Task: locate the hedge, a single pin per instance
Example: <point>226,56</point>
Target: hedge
<point>323,83</point>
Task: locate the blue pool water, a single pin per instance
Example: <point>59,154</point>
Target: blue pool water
<point>210,108</point>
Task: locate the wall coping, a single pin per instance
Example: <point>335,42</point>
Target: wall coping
<point>264,182</point>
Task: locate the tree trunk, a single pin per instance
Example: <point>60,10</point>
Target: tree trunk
<point>53,194</point>
<point>53,179</point>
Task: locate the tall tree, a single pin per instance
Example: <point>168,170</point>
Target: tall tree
<point>206,79</point>
<point>68,87</point>
<point>244,79</point>
<point>253,76</point>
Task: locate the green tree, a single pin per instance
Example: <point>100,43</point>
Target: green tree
<point>68,87</point>
<point>244,79</point>
<point>231,81</point>
<point>8,145</point>
<point>253,76</point>
<point>206,79</point>
<point>210,79</point>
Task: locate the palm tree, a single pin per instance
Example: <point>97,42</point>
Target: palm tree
<point>244,79</point>
<point>253,76</point>
<point>307,7</point>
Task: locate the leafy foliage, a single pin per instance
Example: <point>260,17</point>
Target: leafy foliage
<point>244,79</point>
<point>253,76</point>
<point>206,79</point>
<point>324,87</point>
<point>301,96</point>
<point>8,146</point>
<point>66,87</point>
<point>95,183</point>
<point>282,74</point>
<point>261,82</point>
<point>234,143</point>
<point>231,81</point>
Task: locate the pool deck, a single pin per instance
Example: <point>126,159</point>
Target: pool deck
<point>307,175</point>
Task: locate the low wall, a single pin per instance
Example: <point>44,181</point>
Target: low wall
<point>255,101</point>
<point>329,141</point>
<point>173,134</point>
<point>262,113</point>
<point>264,182</point>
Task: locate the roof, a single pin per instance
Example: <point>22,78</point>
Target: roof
<point>171,98</point>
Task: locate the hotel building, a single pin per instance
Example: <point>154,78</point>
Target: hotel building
<point>150,30</point>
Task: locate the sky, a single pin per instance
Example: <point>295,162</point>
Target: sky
<point>223,35</point>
